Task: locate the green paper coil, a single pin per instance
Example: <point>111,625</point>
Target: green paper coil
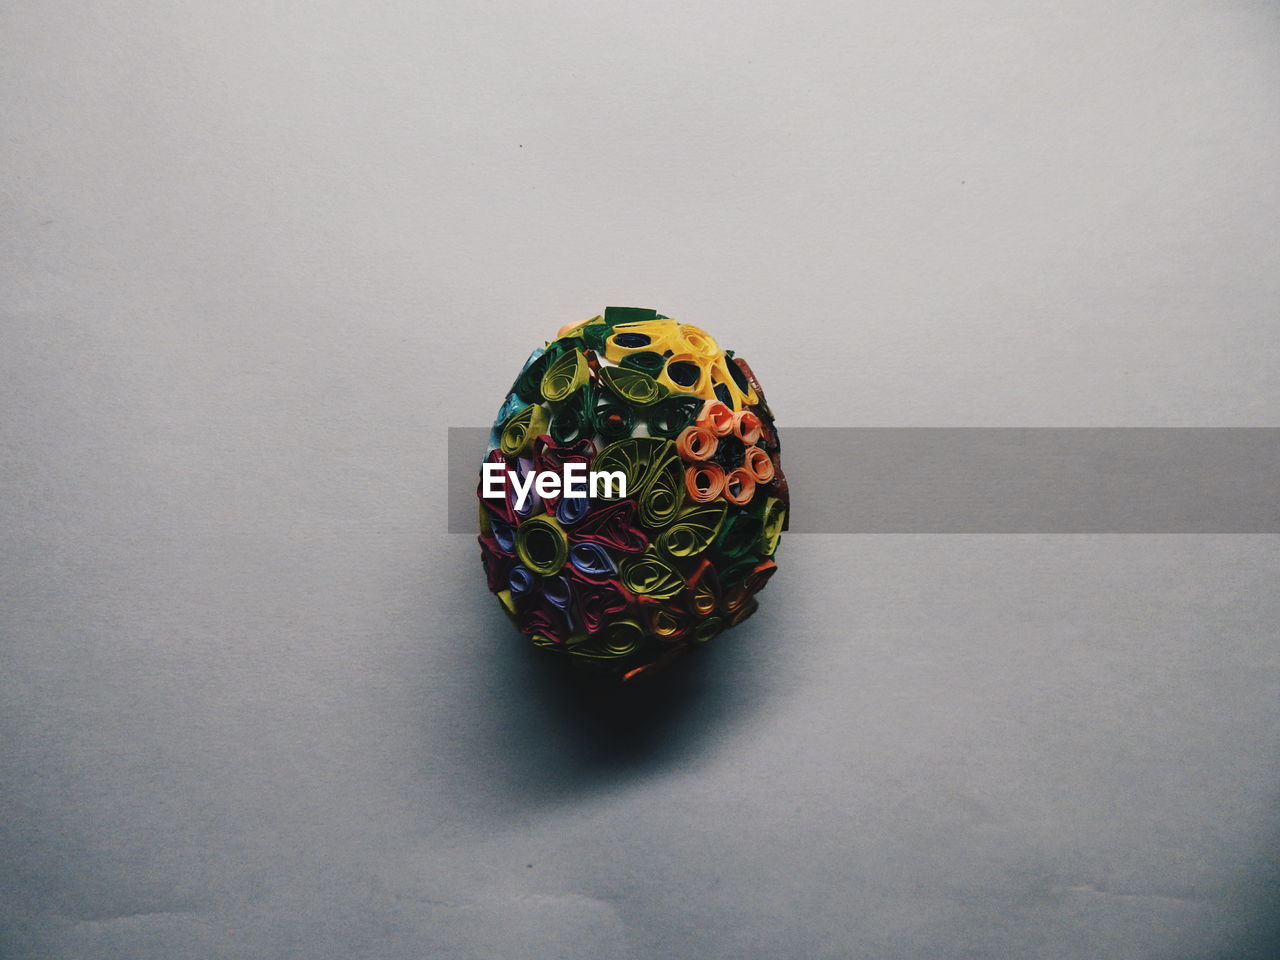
<point>612,418</point>
<point>635,458</point>
<point>706,629</point>
<point>740,535</point>
<point>775,514</point>
<point>566,375</point>
<point>621,638</point>
<point>647,362</point>
<point>669,417</point>
<point>523,426</point>
<point>632,385</point>
<point>572,419</point>
<point>541,545</point>
<point>663,492</point>
<point>648,576</point>
<point>694,530</point>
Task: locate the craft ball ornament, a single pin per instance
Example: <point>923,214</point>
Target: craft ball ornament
<point>632,498</point>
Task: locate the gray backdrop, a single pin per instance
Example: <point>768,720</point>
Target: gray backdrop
<point>255,701</point>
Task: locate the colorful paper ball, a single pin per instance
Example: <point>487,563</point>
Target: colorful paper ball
<point>632,497</point>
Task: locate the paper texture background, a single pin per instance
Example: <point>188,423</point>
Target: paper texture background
<point>255,702</point>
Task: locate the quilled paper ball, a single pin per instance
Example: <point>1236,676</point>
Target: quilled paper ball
<point>632,496</point>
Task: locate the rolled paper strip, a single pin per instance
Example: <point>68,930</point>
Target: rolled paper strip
<point>704,482</point>
<point>532,504</point>
<point>594,333</point>
<point>632,385</point>
<point>558,591</point>
<point>572,509</point>
<point>742,612</point>
<point>694,530</point>
<point>647,362</point>
<point>509,406</point>
<point>576,329</point>
<point>703,595</point>
<point>651,336</point>
<point>567,374</point>
<point>739,379</point>
<point>528,385</point>
<point>551,456</point>
<point>716,417</point>
<point>774,518</point>
<point>521,580</point>
<point>698,342</point>
<point>736,571</point>
<point>572,419</point>
<point>730,385</point>
<point>496,564</point>
<point>759,463</point>
<point>759,576</point>
<point>739,535</point>
<point>746,426</point>
<point>647,575</point>
<point>509,607</point>
<point>504,535</point>
<point>779,486</point>
<point>612,418</point>
<point>597,603</point>
<point>630,316</point>
<point>735,598</point>
<point>613,526</point>
<point>522,427</point>
<point>754,384</point>
<point>541,545</point>
<point>686,373</point>
<point>662,494</point>
<point>540,617</point>
<point>636,458</point>
<point>486,525</point>
<point>739,486</point>
<point>670,416</point>
<point>591,561</point>
<point>729,453</point>
<point>696,443</point>
<point>706,629</point>
<point>499,507</point>
<point>618,639</point>
<point>664,621</point>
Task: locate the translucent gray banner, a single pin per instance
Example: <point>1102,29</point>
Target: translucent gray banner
<point>1000,480</point>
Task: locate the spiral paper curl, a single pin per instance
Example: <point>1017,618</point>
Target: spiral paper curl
<point>623,584</point>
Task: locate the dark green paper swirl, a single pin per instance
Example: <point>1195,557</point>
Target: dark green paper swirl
<point>612,418</point>
<point>669,417</point>
<point>528,385</point>
<point>740,535</point>
<point>572,419</point>
<point>647,362</point>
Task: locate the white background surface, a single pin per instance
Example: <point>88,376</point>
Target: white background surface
<point>258,257</point>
